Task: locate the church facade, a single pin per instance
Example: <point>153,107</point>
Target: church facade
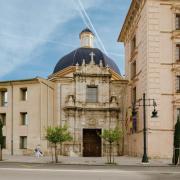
<point>86,91</point>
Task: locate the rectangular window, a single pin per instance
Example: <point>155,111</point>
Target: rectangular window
<point>3,97</point>
<point>178,84</point>
<point>133,69</point>
<point>133,44</point>
<point>24,118</point>
<point>23,142</point>
<point>91,94</point>
<point>177,52</point>
<point>177,21</point>
<point>3,118</point>
<point>134,95</point>
<point>23,94</point>
<point>4,142</point>
<point>178,112</point>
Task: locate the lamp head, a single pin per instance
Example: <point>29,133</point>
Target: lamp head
<point>154,113</point>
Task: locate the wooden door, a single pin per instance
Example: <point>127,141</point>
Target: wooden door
<point>91,143</point>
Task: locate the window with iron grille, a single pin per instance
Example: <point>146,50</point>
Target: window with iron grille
<point>23,142</point>
<point>3,118</point>
<point>178,84</point>
<point>177,21</point>
<point>177,52</point>
<point>3,97</point>
<point>91,94</point>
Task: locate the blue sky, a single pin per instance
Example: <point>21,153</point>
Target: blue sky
<point>35,34</point>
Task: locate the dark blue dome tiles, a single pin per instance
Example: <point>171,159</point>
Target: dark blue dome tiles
<point>79,54</point>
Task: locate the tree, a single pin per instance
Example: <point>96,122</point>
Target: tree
<point>1,139</point>
<point>176,142</point>
<point>57,135</point>
<point>111,136</point>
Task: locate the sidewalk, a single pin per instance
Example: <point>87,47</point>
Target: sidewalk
<point>122,160</point>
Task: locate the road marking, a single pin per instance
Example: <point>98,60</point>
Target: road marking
<point>87,171</point>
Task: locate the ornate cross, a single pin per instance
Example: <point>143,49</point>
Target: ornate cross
<point>92,56</point>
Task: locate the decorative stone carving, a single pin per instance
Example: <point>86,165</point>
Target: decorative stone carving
<point>100,63</point>
<point>92,122</point>
<point>113,101</point>
<point>77,66</point>
<point>84,62</point>
<point>92,83</point>
<point>70,100</point>
<point>92,58</point>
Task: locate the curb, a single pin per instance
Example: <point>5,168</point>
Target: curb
<point>85,164</point>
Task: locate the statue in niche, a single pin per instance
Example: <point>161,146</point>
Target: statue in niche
<point>71,100</point>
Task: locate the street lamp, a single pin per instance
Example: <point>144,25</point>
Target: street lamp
<point>146,102</point>
<point>154,113</point>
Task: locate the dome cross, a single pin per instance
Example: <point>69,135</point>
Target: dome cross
<point>92,57</point>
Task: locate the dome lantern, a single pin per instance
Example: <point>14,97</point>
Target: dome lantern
<point>86,38</point>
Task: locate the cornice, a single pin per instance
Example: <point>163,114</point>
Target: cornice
<point>20,81</point>
<point>115,75</point>
<point>131,18</point>
<point>62,73</point>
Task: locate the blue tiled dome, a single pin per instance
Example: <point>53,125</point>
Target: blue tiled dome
<point>79,54</point>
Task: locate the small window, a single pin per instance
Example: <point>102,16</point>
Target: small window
<point>91,95</point>
<point>177,21</point>
<point>23,142</point>
<point>3,118</point>
<point>24,118</point>
<point>178,84</point>
<point>134,95</point>
<point>3,97</point>
<point>4,142</point>
<point>133,44</point>
<point>85,41</point>
<point>133,69</point>
<point>23,92</point>
<point>177,52</point>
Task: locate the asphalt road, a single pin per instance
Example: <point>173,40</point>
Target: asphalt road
<point>22,171</point>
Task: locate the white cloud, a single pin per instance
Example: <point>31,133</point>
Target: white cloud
<point>27,24</point>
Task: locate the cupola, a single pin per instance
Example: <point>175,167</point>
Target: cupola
<point>86,38</point>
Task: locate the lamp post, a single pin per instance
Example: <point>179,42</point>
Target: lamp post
<point>145,102</point>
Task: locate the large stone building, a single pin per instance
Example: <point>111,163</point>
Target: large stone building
<point>151,36</point>
<point>85,91</point>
